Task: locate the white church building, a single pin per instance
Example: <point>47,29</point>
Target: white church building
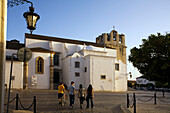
<point>55,60</point>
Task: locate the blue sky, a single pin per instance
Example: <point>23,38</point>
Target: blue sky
<point>86,19</point>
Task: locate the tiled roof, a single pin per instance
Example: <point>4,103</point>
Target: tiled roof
<point>36,49</point>
<point>56,39</point>
<point>40,49</point>
<point>14,44</point>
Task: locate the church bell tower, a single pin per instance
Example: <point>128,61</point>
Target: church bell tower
<point>115,41</point>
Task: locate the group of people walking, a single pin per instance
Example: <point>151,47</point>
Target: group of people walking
<point>82,94</point>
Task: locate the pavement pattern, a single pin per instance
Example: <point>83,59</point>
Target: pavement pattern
<point>145,102</point>
<point>47,102</point>
<point>104,102</point>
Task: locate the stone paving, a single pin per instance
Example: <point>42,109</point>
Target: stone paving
<point>104,102</point>
<point>145,106</point>
<point>47,102</point>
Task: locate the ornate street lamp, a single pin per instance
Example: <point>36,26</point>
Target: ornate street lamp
<point>31,18</point>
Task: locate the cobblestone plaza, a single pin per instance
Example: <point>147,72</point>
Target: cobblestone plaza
<point>47,101</point>
<point>104,102</point>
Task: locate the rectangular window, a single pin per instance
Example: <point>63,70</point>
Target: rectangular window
<point>77,74</point>
<point>56,59</point>
<point>77,64</point>
<point>117,67</point>
<point>85,69</point>
<point>13,78</point>
<point>103,77</point>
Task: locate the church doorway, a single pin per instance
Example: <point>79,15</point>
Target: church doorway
<point>56,80</point>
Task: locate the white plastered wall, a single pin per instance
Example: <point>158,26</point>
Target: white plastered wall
<point>43,80</point>
<point>32,43</point>
<point>9,52</point>
<point>100,65</point>
<point>17,83</point>
<point>77,57</point>
<point>67,64</point>
<point>87,74</point>
<point>121,77</point>
<point>66,70</point>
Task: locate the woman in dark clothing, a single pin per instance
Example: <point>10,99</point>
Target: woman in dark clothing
<point>90,96</point>
<point>81,95</point>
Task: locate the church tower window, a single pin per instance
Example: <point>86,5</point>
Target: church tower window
<point>114,36</point>
<point>101,39</point>
<point>39,65</point>
<point>108,37</point>
<point>120,39</point>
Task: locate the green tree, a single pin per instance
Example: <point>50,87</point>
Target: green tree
<point>152,58</point>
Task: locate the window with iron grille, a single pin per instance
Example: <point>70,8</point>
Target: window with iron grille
<point>77,74</point>
<point>77,64</point>
<point>56,59</point>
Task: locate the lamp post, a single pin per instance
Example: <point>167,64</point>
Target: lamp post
<point>31,18</point>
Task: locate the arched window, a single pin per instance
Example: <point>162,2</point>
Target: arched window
<point>39,65</point>
<point>108,37</point>
<point>101,39</point>
<point>114,36</point>
<point>130,76</point>
<point>120,39</point>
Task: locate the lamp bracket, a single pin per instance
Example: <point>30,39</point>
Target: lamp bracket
<point>12,3</point>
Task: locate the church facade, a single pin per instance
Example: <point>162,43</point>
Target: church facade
<point>55,60</point>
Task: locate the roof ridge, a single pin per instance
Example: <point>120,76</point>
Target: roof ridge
<point>56,39</point>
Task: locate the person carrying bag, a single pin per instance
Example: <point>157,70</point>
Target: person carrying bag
<point>81,95</point>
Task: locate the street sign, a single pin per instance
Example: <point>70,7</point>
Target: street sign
<point>24,54</point>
